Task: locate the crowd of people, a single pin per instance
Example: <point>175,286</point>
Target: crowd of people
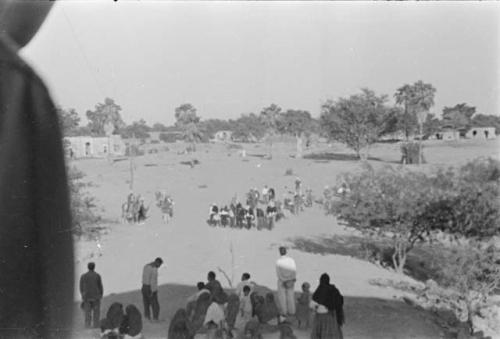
<point>166,205</point>
<point>134,209</point>
<point>242,313</point>
<point>260,210</point>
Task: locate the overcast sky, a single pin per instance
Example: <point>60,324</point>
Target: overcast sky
<point>228,58</point>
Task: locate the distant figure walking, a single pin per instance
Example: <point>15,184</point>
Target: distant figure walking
<point>91,291</point>
<point>150,289</point>
<point>328,304</point>
<point>286,271</point>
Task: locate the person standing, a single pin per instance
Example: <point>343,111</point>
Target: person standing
<point>328,304</point>
<point>150,289</point>
<point>286,271</point>
<point>245,281</point>
<point>91,291</point>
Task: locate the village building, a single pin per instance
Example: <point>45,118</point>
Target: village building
<point>223,136</point>
<point>94,147</point>
<point>448,134</point>
<point>481,133</point>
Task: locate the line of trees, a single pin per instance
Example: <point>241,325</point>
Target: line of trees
<point>357,121</point>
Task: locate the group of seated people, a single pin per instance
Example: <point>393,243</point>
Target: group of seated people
<point>212,311</point>
<point>122,324</point>
<point>260,210</point>
<point>251,309</point>
<point>245,313</point>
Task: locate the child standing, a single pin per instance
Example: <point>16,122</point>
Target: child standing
<point>303,312</point>
<point>245,311</point>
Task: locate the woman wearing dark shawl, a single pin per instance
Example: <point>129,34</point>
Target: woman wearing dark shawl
<point>179,326</point>
<point>111,324</point>
<point>329,315</point>
<point>131,326</point>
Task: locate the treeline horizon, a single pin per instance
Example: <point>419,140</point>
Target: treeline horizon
<point>362,109</point>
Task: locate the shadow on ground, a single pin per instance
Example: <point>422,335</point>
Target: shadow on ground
<point>329,156</point>
<point>423,262</point>
<point>365,317</point>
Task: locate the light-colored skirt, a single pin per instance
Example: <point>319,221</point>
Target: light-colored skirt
<point>325,327</point>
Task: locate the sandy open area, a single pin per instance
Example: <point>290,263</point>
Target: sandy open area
<point>190,248</point>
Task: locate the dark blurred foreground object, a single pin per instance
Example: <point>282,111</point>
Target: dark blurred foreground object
<point>36,248</point>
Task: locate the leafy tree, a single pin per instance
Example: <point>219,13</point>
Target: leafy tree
<point>187,121</point>
<point>211,126</point>
<point>69,120</point>
<point>159,127</point>
<point>138,129</point>
<point>356,121</point>
<point>103,114</point>
<point>296,123</point>
<point>84,217</point>
<point>269,117</point>
<point>483,120</point>
<point>186,114</point>
<point>414,98</point>
<point>431,125</point>
<point>393,121</point>
<point>383,201</point>
<point>248,127</point>
<point>410,205</point>
<point>458,116</point>
<point>468,205</point>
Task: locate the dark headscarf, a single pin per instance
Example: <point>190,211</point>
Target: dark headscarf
<point>179,325</point>
<point>133,321</point>
<point>115,315</point>
<point>329,296</point>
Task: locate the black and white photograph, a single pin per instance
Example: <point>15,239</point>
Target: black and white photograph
<point>249,169</point>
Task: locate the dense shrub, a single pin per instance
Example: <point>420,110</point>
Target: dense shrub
<point>410,152</point>
<point>473,270</point>
<point>408,205</point>
<point>85,219</point>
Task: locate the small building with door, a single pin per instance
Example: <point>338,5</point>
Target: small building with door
<point>481,133</point>
<point>94,147</point>
<point>448,134</point>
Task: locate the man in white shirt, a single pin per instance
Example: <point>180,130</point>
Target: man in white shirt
<point>286,272</point>
<point>150,289</point>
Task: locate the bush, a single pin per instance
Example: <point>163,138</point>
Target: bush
<point>289,171</point>
<point>473,270</point>
<point>82,205</point>
<point>410,205</point>
<point>410,152</point>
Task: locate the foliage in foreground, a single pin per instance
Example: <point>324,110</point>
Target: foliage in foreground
<point>84,218</point>
<point>409,206</point>
<point>412,207</point>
